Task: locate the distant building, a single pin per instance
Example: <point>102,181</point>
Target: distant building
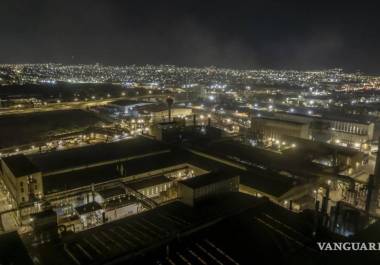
<point>265,128</point>
<point>351,130</point>
<point>201,187</point>
<point>160,113</point>
<point>127,107</point>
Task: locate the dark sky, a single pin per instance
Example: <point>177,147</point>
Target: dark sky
<point>240,34</point>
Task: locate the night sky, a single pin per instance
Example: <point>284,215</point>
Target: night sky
<point>239,34</point>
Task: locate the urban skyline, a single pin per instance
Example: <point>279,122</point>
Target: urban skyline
<point>189,132</point>
<point>256,34</point>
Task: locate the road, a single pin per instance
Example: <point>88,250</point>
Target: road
<point>74,105</point>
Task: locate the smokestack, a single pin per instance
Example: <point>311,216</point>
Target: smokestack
<point>170,101</point>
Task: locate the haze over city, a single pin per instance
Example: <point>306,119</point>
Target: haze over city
<point>246,35</point>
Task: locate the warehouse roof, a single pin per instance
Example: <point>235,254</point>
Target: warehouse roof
<point>149,182</point>
<point>20,165</point>
<point>92,154</point>
<point>283,121</point>
<point>267,182</point>
<point>92,175</point>
<point>13,250</point>
<point>206,179</point>
<point>111,192</point>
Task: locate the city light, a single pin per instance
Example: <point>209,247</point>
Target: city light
<point>199,130</point>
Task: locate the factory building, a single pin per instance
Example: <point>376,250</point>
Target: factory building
<point>152,187</point>
<point>195,189</point>
<point>160,113</point>
<point>117,203</point>
<point>124,178</point>
<point>22,178</point>
<point>157,112</point>
<point>266,128</point>
<point>349,130</point>
<point>351,133</point>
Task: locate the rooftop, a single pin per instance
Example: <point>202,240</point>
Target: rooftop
<point>20,165</point>
<point>260,159</point>
<point>288,121</point>
<point>175,232</point>
<point>275,236</point>
<point>92,175</point>
<point>42,126</point>
<point>93,154</point>
<point>206,179</point>
<point>320,148</point>
<point>13,250</point>
<point>267,182</point>
<point>130,235</point>
<point>150,182</point>
<point>111,192</point>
